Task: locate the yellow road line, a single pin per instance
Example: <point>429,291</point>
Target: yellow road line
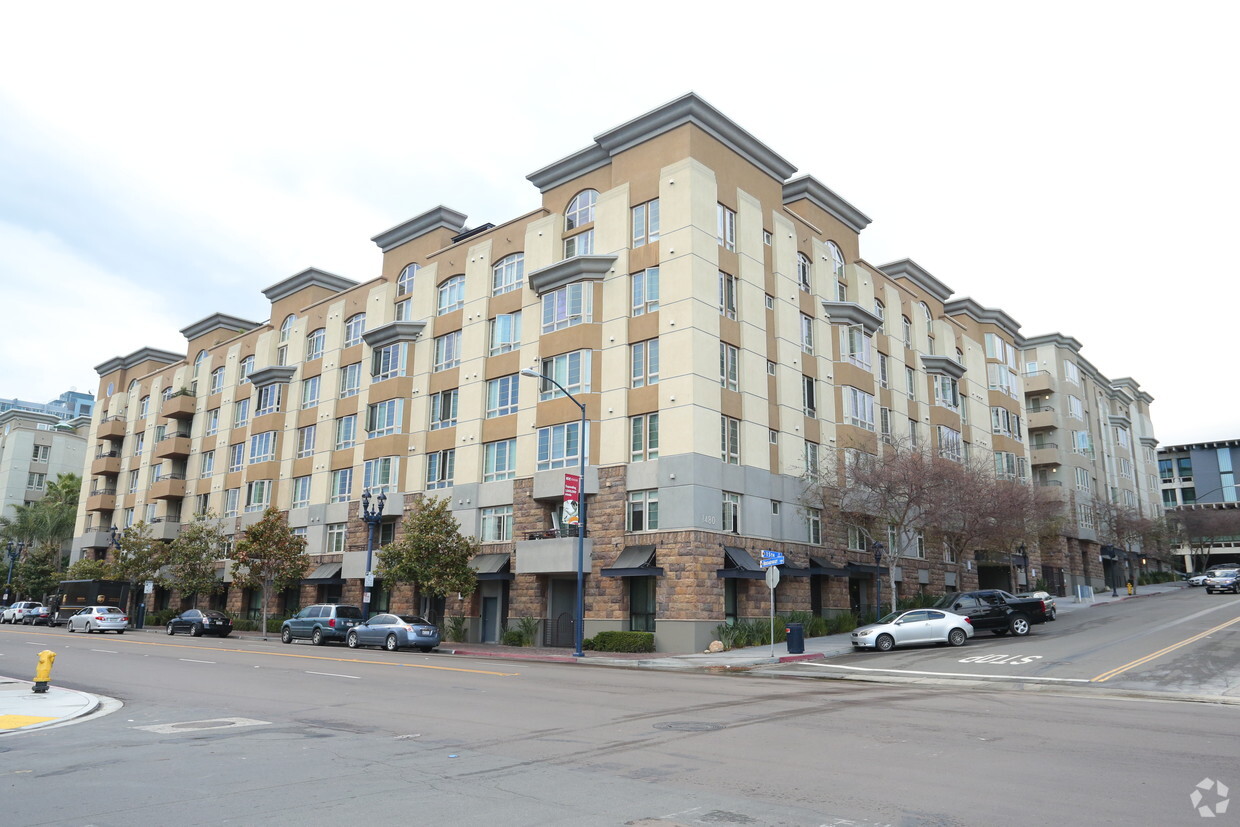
<point>19,721</point>
<point>132,642</point>
<point>1106,676</point>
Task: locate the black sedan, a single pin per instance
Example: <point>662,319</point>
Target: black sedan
<point>198,622</point>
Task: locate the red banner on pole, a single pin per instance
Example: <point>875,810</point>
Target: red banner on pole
<point>572,499</point>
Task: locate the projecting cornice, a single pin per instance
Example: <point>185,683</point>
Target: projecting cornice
<point>439,218</point>
<point>217,321</point>
<point>311,277</point>
<point>393,332</point>
<point>146,354</point>
<point>1056,339</point>
<point>687,109</point>
<point>906,268</point>
<point>809,188</point>
<point>851,313</point>
<point>983,315</point>
<point>272,375</point>
<point>942,365</point>
<point>570,270</point>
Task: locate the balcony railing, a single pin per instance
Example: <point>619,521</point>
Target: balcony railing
<point>108,492</point>
<point>553,533</point>
<point>106,454</point>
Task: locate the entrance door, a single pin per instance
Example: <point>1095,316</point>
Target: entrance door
<point>490,619</point>
<point>561,607</point>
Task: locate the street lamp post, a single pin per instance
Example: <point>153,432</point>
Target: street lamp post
<point>878,579</point>
<point>14,551</point>
<point>1023,556</point>
<point>580,619</point>
<point>372,518</point>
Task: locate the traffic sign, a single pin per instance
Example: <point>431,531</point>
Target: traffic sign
<point>772,578</point>
<point>766,552</point>
<point>766,562</point>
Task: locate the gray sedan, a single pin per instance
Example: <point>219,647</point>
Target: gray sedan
<point>393,632</point>
<point>100,619</point>
<point>911,627</point>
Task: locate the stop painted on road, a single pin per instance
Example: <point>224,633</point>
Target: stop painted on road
<point>1006,659</point>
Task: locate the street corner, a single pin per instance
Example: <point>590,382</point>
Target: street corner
<point>22,709</point>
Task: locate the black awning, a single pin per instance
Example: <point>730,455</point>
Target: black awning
<point>739,564</point>
<point>492,566</point>
<point>1109,552</point>
<point>855,569</point>
<point>819,566</point>
<point>325,574</point>
<point>634,561</point>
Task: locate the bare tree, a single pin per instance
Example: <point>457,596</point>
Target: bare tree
<point>1201,529</point>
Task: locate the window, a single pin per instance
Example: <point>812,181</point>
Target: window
<point>404,282</point>
<point>447,351</point>
<point>1006,467</point>
<point>336,533</point>
<point>443,408</point>
<point>914,433</point>
<point>257,495</point>
<point>139,439</point>
<point>133,482</point>
<point>1003,421</point>
<point>232,502</point>
<point>1082,443</point>
<point>581,244</point>
<point>770,368</point>
<point>310,392</point>
<point>236,456</point>
<point>379,475</point>
<point>1001,378</point>
<point>907,331</point>
<point>212,425</point>
<point>884,375</point>
<point>241,412</point>
<point>1076,408</point>
<point>499,460</point>
<point>880,310</point>
<point>730,440</point>
<point>247,367</point>
<point>809,396</point>
<point>646,291</point>
<point>354,327</point>
<point>37,482</point>
<point>727,295</point>
<point>263,447</point>
<point>502,395</point>
<point>507,274</point>
<point>440,468</point>
<point>505,332</point>
<point>642,512</point>
<point>572,370</point>
<point>301,492</point>
<point>813,526</point>
<point>346,432</point>
<point>810,458</point>
<point>268,399</point>
<point>387,362</point>
<point>384,418</point>
<point>496,523</point>
<point>910,382</point>
<point>1121,437</point>
<point>1084,516</point>
<point>1125,468</point>
<point>207,464</point>
<point>949,443</point>
<point>572,304</point>
<point>644,437</point>
<point>729,366</point>
<point>731,512</point>
<point>305,441</point>
<point>946,391</point>
<point>342,485</point>
<point>403,311</point>
<point>1164,470</point>
<point>217,380</point>
<point>725,223</point>
<point>646,223</point>
<point>841,291</point>
<point>858,408</point>
<point>856,540</point>
<point>286,327</point>
<point>769,300</point>
<point>803,272</point>
<point>855,345</point>
<point>314,344</point>
<point>767,238</point>
<point>580,210</point>
<point>837,260</point>
<point>1072,373</point>
<point>807,333</point>
<point>450,296</point>
<point>144,407</point>
<point>645,363</point>
<point>559,446</point>
<point>884,423</point>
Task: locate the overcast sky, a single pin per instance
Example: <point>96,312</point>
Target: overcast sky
<point>1071,163</point>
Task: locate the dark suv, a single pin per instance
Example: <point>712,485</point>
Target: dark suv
<point>320,623</point>
<point>1224,580</point>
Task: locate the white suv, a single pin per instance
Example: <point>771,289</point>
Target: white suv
<point>15,613</point>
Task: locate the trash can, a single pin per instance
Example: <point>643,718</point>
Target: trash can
<point>796,638</point>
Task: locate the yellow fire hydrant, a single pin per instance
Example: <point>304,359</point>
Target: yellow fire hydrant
<point>43,672</point>
<point>1130,588</point>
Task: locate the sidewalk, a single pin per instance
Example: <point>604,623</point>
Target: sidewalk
<point>21,708</point>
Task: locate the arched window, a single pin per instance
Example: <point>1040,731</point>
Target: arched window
<point>803,272</point>
<point>451,295</point>
<point>837,260</point>
<point>507,274</point>
<point>133,386</point>
<point>314,344</point>
<point>200,358</point>
<point>880,310</point>
<point>580,210</point>
<point>287,327</point>
<point>908,331</point>
<point>404,282</point>
<point>144,407</point>
<point>925,310</point>
<point>354,327</point>
<point>247,367</point>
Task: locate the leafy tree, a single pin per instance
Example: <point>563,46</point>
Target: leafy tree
<point>269,556</point>
<point>193,556</point>
<point>432,553</point>
<point>47,522</point>
<point>35,574</point>
<point>87,569</point>
<point>139,557</point>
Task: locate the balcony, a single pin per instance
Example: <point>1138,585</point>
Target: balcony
<point>106,464</point>
<point>168,487</point>
<point>101,499</point>
<point>1039,381</point>
<point>1045,454</point>
<point>179,406</point>
<point>165,528</point>
<point>111,428</point>
<point>172,446</point>
<point>1043,417</point>
<point>95,538</point>
<point>556,554</point>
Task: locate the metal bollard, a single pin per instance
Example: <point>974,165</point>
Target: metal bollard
<point>43,672</point>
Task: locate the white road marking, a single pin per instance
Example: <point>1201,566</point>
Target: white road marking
<point>106,651</point>
<point>1015,660</point>
<point>334,675</point>
<point>198,726</point>
<point>191,660</point>
<point>946,674</point>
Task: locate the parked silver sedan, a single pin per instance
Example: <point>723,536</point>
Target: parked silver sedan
<point>914,626</point>
<point>99,619</point>
<point>393,632</point>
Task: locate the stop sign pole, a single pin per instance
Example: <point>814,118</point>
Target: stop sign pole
<point>771,565</point>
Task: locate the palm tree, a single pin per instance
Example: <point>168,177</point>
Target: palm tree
<point>48,522</point>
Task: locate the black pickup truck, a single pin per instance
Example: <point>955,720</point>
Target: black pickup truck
<point>996,610</point>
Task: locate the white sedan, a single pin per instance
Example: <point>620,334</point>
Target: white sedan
<point>913,626</point>
<point>99,619</point>
<point>1198,580</point>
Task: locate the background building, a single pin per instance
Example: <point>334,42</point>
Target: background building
<point>1202,476</point>
<point>69,405</point>
<point>34,449</point>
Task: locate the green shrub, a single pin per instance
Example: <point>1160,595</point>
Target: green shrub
<point>528,627</point>
<point>160,617</point>
<point>622,642</point>
<point>454,628</point>
<point>726,634</point>
<point>512,637</point>
<point>817,627</point>
<point>842,623</point>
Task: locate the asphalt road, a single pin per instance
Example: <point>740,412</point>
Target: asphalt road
<point>245,732</point>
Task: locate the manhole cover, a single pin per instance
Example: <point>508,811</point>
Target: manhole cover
<point>688,726</point>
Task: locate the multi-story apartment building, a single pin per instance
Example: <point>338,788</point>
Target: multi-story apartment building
<point>35,448</point>
<point>713,314</point>
<point>1092,445</point>
<point>69,405</point>
<point>1202,475</point>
